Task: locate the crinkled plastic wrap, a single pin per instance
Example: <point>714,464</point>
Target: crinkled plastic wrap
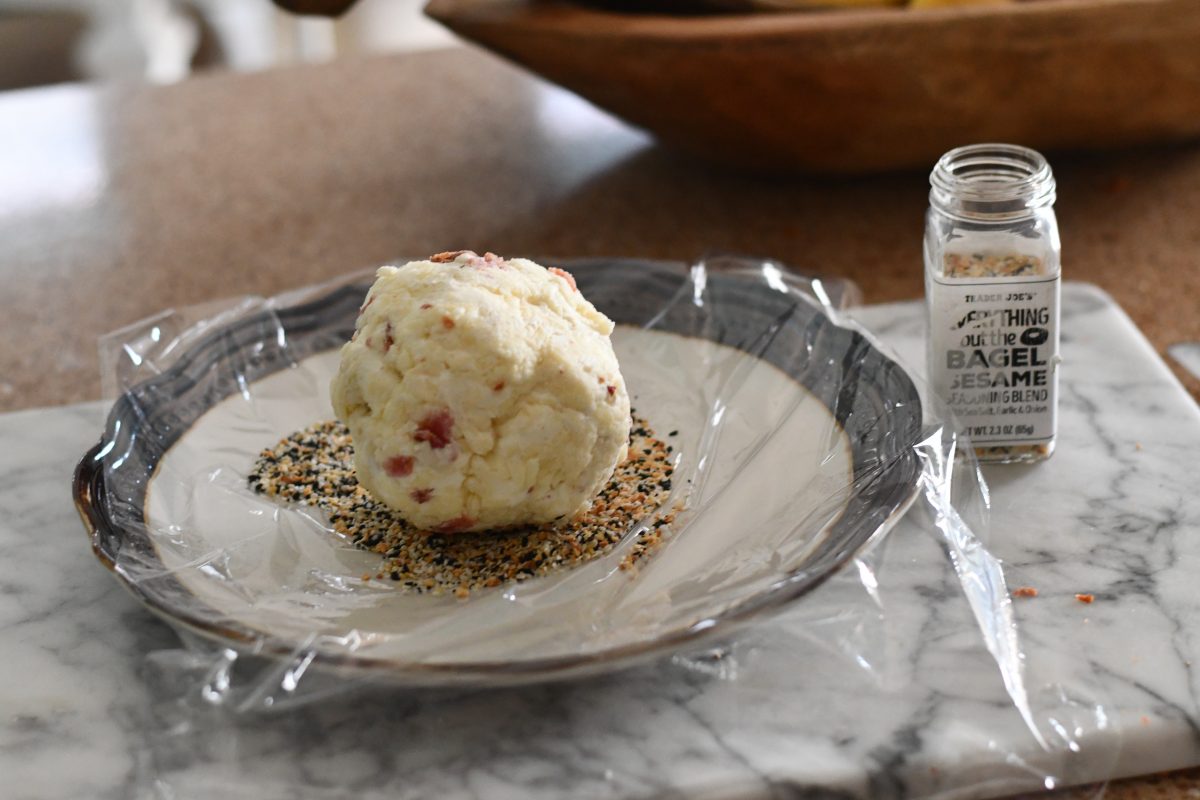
<point>777,610</point>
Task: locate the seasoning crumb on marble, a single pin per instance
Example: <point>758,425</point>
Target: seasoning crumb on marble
<point>1086,599</point>
<point>315,467</point>
<point>1025,591</point>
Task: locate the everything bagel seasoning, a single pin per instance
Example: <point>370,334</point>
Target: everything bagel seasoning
<point>314,467</point>
<point>992,279</point>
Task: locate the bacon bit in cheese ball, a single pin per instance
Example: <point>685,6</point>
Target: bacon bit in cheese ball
<point>568,277</point>
<point>399,466</point>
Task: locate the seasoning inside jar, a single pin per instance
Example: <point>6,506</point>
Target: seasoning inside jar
<point>992,280</point>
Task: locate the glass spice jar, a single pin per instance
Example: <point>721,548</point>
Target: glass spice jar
<point>992,276</point>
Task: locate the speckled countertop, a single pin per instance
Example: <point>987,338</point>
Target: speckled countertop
<point>120,201</point>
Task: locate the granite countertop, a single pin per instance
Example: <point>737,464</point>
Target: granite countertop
<point>119,202</point>
<point>124,200</point>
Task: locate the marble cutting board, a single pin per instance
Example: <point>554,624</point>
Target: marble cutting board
<point>889,693</point>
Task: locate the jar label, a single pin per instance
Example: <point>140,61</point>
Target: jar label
<point>994,356</point>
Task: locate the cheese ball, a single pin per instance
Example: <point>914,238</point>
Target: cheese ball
<point>481,393</point>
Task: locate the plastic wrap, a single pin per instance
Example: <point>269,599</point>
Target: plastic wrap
<point>798,443</point>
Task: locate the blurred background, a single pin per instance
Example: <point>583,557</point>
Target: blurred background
<point>162,41</point>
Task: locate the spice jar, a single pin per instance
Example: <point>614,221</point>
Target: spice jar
<point>992,275</point>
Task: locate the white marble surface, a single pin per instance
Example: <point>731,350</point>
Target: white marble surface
<point>891,695</point>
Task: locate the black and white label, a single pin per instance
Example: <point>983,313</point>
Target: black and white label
<point>994,356</point>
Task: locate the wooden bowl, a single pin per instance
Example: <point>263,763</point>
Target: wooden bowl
<point>861,91</point>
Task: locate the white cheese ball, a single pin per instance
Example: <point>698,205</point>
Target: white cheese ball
<point>481,393</point>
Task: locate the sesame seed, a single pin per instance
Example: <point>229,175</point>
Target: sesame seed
<point>315,467</point>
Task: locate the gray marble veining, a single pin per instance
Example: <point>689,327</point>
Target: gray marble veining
<point>839,695</point>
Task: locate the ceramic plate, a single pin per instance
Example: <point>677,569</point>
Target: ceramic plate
<point>793,450</point>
